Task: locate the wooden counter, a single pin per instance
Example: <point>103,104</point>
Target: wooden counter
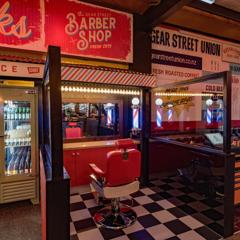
<point>92,144</point>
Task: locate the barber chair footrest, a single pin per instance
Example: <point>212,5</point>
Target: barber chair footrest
<point>108,219</point>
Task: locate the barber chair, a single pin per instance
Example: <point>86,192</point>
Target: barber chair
<point>120,179</point>
<point>73,131</point>
<point>205,175</point>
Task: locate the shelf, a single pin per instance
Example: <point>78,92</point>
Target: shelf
<point>18,120</point>
<point>17,146</point>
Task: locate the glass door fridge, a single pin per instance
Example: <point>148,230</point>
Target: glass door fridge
<point>18,145</point>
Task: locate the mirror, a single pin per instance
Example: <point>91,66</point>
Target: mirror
<point>86,120</point>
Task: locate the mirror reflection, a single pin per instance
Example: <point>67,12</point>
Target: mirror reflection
<point>82,120</point>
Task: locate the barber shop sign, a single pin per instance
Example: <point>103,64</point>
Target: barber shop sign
<point>78,28</point>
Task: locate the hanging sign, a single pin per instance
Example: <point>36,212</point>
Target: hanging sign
<point>79,28</point>
<point>88,30</point>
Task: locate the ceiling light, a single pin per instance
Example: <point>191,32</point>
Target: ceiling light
<point>208,1</point>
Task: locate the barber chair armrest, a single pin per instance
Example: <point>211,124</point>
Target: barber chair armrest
<point>98,181</point>
<point>97,171</point>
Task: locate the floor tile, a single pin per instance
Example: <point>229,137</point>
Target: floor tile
<point>120,238</point>
<point>176,202</point>
<point>130,202</point>
<point>143,200</point>
<point>211,202</point>
<point>140,211</point>
<point>160,232</point>
<point>168,180</point>
<point>90,203</point>
<point>80,214</point>
<point>202,218</point>
<point>134,228</point>
<point>137,194</point>
<point>72,229</point>
<point>110,233</point>
<point>190,235</point>
<point>175,192</point>
<point>186,199</point>
<point>155,189</point>
<point>198,206</point>
<point>212,214</point>
<point>155,197</point>
<point>91,234</point>
<point>177,227</point>
<point>84,225</point>
<point>158,182</point>
<point>196,196</point>
<point>77,206</point>
<point>165,204</point>
<point>185,190</point>
<point>94,210</point>
<point>207,233</point>
<point>148,221</point>
<point>165,187</point>
<point>152,207</point>
<point>176,185</point>
<point>174,238</point>
<point>164,216</point>
<point>191,222</point>
<point>74,237</point>
<point>187,209</point>
<point>165,195</point>
<point>75,198</point>
<point>216,228</point>
<point>140,235</point>
<point>87,196</point>
<point>147,191</point>
<point>177,212</point>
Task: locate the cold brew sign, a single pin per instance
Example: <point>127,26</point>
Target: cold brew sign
<point>78,28</point>
<point>87,30</point>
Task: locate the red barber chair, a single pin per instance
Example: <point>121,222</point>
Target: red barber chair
<point>120,179</point>
<point>73,131</point>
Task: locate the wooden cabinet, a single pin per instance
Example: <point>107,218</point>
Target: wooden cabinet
<point>70,165</point>
<point>76,162</point>
<point>78,157</point>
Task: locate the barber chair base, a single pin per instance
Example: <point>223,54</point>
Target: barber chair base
<point>107,218</point>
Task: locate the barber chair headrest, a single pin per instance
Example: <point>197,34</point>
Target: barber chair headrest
<point>124,143</point>
<point>72,124</point>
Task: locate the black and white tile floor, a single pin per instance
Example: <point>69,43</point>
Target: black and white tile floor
<point>167,210</point>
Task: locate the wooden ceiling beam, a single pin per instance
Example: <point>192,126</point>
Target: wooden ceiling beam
<point>157,14</point>
<point>216,10</point>
<point>108,5</point>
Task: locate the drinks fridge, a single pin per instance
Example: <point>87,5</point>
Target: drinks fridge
<point>18,144</point>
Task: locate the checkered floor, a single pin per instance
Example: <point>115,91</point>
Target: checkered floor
<point>167,210</point>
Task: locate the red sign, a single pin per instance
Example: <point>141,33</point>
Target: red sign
<point>78,28</point>
<point>87,30</point>
<point>21,24</point>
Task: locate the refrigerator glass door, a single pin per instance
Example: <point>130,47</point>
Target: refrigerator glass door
<point>17,137</point>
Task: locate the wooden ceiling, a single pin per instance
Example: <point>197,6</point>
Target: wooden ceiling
<point>132,6</point>
<point>231,4</point>
<point>205,23</point>
<point>221,19</point>
<point>141,6</point>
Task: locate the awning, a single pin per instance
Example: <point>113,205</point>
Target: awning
<point>81,73</point>
<point>107,76</point>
